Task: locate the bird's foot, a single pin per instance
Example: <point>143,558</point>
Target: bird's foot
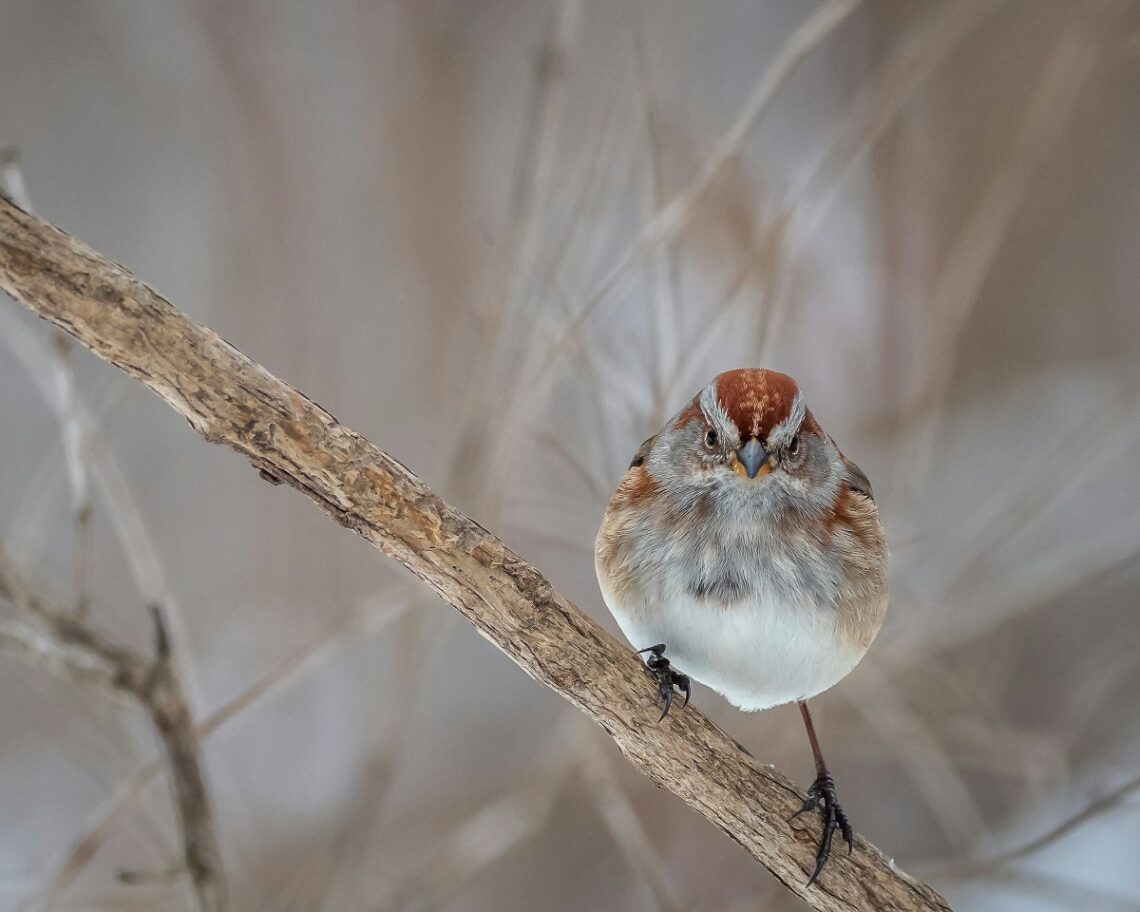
<point>822,795</point>
<point>668,680</point>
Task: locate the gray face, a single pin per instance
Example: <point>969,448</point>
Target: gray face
<point>733,539</point>
<point>694,463</point>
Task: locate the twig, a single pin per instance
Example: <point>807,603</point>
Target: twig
<point>229,399</point>
<point>71,432</point>
<point>670,220</point>
<point>625,827</point>
<point>487,835</point>
<point>174,723</point>
<point>100,464</point>
<point>12,178</point>
<point>84,849</point>
<point>65,644</point>
<point>993,863</point>
<point>972,252</point>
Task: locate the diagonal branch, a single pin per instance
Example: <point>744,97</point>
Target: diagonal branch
<point>229,399</point>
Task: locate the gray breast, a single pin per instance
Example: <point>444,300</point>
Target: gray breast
<point>730,568</point>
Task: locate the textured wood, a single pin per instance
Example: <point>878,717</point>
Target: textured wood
<point>229,399</point>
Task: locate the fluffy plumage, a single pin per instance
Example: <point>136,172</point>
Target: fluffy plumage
<point>767,589</point>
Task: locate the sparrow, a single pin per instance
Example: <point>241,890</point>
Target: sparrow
<point>742,540</point>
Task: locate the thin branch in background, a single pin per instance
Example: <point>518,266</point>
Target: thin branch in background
<point>555,445</point>
<point>669,221</point>
<point>663,274</point>
<point>909,739</point>
<point>672,219</point>
<point>27,532</point>
<point>955,291</point>
<point>174,723</point>
<point>1063,893</point>
<point>1058,892</point>
<point>68,646</point>
<point>876,108</point>
<point>588,188</point>
<point>73,448</point>
<point>362,829</point>
<point>1035,581</point>
<point>12,180</point>
<point>1016,507</point>
<point>40,649</point>
<point>373,615</point>
<point>1103,805</point>
<point>500,338</point>
<point>100,464</point>
<point>531,186</point>
<point>620,817</point>
<point>165,878</point>
<point>692,363</point>
<point>483,838</point>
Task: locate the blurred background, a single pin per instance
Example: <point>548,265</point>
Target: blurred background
<point>504,240</point>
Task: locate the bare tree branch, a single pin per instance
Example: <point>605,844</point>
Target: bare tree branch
<point>991,864</point>
<point>375,614</point>
<point>65,644</point>
<point>229,399</point>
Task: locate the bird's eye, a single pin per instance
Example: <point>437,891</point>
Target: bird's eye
<point>794,445</point>
<point>712,438</point>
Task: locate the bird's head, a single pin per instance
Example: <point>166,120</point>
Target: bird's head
<point>747,440</point>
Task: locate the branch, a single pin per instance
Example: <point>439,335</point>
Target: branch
<point>229,399</point>
<point>66,645</point>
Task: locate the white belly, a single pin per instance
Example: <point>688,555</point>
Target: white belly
<point>757,654</point>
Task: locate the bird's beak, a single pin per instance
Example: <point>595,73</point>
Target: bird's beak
<point>751,460</point>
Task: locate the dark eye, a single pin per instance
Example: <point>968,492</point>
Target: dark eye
<point>712,438</point>
<point>794,445</point>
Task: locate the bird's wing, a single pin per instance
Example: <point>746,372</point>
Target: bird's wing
<point>642,452</point>
<point>857,479</point>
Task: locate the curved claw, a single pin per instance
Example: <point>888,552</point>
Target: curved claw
<point>822,795</point>
<point>667,678</point>
<point>810,804</point>
<point>845,829</point>
<point>666,696</point>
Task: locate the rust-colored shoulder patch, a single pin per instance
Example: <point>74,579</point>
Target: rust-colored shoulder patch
<point>756,400</point>
<point>854,512</point>
<point>636,488</point>
<point>854,532</point>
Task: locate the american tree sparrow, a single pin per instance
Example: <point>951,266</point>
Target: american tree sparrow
<point>746,542</point>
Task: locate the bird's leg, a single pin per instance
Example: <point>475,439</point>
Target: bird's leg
<point>822,793</point>
<point>667,678</point>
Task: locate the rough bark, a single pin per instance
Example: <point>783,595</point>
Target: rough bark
<point>229,399</point>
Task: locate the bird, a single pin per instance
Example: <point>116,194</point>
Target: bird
<point>746,544</point>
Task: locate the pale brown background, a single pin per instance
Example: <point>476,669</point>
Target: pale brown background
<point>395,208</point>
